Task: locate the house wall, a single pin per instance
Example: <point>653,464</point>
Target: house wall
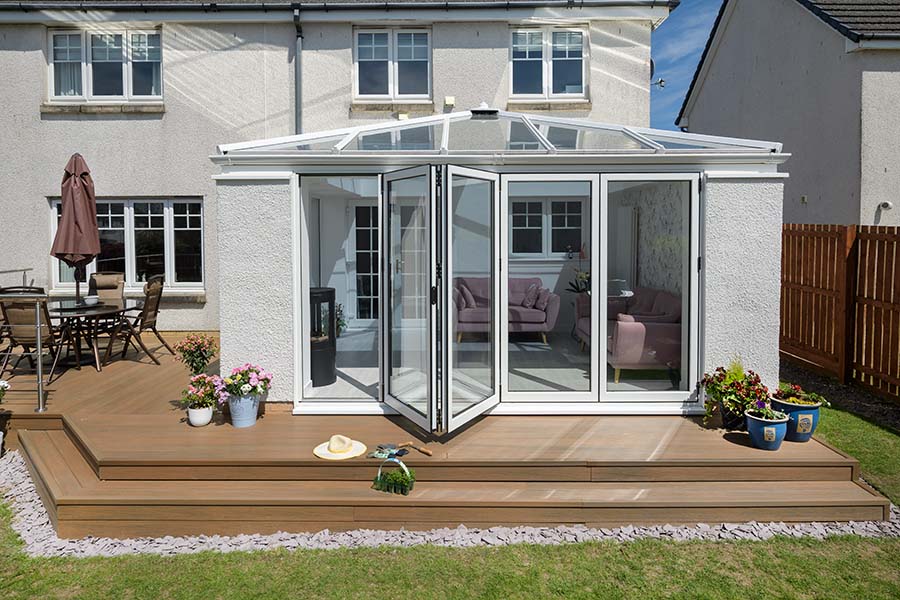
<point>880,134</point>
<point>221,83</point>
<point>470,61</point>
<point>742,272</point>
<point>780,73</point>
<point>255,285</point>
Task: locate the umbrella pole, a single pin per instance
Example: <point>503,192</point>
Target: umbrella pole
<point>79,276</point>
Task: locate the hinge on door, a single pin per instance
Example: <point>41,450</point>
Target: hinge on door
<point>439,176</point>
<point>434,295</point>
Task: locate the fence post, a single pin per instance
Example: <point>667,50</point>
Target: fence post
<point>847,275</point>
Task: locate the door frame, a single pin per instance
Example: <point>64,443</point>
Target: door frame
<point>449,421</point>
<point>427,421</point>
<point>539,398</point>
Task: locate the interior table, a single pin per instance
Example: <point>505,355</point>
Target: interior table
<point>88,321</point>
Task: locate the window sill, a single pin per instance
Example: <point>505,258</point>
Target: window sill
<point>153,108</point>
<point>409,106</point>
<point>547,105</point>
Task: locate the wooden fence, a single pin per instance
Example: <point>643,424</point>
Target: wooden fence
<point>840,302</point>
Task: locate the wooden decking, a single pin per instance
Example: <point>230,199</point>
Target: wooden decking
<point>114,457</point>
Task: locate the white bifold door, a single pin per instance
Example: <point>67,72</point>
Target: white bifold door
<point>441,294</point>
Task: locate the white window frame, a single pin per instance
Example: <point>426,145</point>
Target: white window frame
<point>87,93</point>
<point>546,229</point>
<point>547,63</point>
<point>393,94</point>
<point>131,285</point>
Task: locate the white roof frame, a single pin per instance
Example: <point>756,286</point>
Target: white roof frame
<point>652,141</point>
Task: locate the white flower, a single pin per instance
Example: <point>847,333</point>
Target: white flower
<point>245,389</point>
<point>4,385</point>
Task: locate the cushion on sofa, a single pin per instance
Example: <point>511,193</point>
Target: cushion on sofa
<point>543,299</point>
<point>458,299</point>
<point>470,299</point>
<point>531,295</point>
<point>520,314</point>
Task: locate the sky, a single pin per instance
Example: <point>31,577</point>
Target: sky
<point>677,46</point>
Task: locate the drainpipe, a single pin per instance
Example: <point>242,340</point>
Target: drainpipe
<point>298,74</point>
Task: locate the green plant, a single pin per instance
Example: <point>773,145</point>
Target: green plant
<point>4,385</point>
<point>734,388</point>
<point>340,319</point>
<point>761,409</point>
<point>395,482</point>
<point>196,351</point>
<point>794,394</point>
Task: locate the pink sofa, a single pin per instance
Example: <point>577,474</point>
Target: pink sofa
<point>521,319</point>
<point>644,331</point>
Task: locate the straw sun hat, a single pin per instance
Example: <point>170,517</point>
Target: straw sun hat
<point>339,447</point>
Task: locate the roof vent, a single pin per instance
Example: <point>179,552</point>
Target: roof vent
<point>485,112</point>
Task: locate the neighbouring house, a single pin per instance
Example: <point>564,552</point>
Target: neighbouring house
<point>475,184</point>
<point>822,77</point>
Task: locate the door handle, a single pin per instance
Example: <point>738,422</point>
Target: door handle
<point>434,295</point>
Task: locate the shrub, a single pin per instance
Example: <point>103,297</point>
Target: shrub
<point>196,351</point>
<point>736,389</point>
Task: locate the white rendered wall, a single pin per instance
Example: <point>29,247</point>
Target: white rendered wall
<point>255,282</point>
<point>222,83</point>
<point>880,139</point>
<point>782,74</point>
<point>742,272</point>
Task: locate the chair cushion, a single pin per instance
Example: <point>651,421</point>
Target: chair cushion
<point>467,294</point>
<point>520,314</point>
<point>543,299</point>
<point>531,295</point>
<point>475,315</point>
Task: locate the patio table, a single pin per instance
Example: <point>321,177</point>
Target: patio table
<point>85,321</point>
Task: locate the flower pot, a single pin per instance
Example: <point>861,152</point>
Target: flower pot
<point>243,409</point>
<point>766,434</point>
<point>802,419</point>
<point>198,417</point>
<point>732,421</point>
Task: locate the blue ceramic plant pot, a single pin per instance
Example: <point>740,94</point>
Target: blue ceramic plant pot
<point>802,419</point>
<point>766,434</point>
<point>244,410</point>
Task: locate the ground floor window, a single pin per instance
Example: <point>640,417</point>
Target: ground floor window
<point>144,238</point>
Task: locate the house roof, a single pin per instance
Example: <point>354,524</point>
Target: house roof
<point>855,19</point>
<point>495,135</point>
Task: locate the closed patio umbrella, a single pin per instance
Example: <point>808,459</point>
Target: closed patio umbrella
<point>77,239</point>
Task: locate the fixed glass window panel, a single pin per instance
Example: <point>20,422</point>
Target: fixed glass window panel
<point>648,304</point>
<point>188,240</point>
<point>527,59</point>
<point>527,228</point>
<point>568,76</point>
<point>65,273</point>
<point>412,64</point>
<point>366,262</point>
<point>146,64</point>
<point>67,64</point>
<point>111,225</point>
<point>149,240</point>
<point>373,64</point>
<point>521,138</point>
<point>107,57</point>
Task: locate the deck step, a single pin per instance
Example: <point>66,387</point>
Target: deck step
<point>82,504</point>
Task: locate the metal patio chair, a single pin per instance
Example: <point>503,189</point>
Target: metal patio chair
<point>21,330</point>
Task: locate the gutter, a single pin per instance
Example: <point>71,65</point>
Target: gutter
<point>298,74</point>
<point>327,6</point>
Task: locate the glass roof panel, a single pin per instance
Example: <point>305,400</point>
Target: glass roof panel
<point>688,143</point>
<point>492,134</point>
<point>424,137</point>
<point>323,144</point>
<point>569,137</point>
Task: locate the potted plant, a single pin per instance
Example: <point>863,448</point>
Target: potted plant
<point>400,481</point>
<point>340,320</point>
<point>4,385</point>
<point>766,426</point>
<point>802,409</point>
<point>201,397</point>
<point>196,351</point>
<point>245,386</point>
<point>730,392</point>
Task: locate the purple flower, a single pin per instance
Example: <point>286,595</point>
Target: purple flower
<point>760,404</point>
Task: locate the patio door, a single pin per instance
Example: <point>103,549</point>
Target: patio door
<point>441,294</point>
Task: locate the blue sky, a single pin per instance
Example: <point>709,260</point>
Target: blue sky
<point>677,46</point>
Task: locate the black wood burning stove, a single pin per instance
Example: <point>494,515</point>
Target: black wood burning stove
<point>323,336</point>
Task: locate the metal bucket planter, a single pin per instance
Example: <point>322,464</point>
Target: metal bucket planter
<point>766,434</point>
<point>244,410</point>
<point>802,419</point>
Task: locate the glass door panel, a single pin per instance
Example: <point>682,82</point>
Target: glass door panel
<point>410,355</point>
<point>473,295</point>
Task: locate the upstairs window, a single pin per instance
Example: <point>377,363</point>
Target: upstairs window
<point>548,63</point>
<point>393,64</point>
<point>105,66</point>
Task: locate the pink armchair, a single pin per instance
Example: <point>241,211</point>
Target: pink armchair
<point>644,331</point>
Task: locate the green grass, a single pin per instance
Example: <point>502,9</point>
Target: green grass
<point>877,448</point>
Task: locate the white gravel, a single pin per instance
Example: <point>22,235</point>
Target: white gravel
<point>31,522</point>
